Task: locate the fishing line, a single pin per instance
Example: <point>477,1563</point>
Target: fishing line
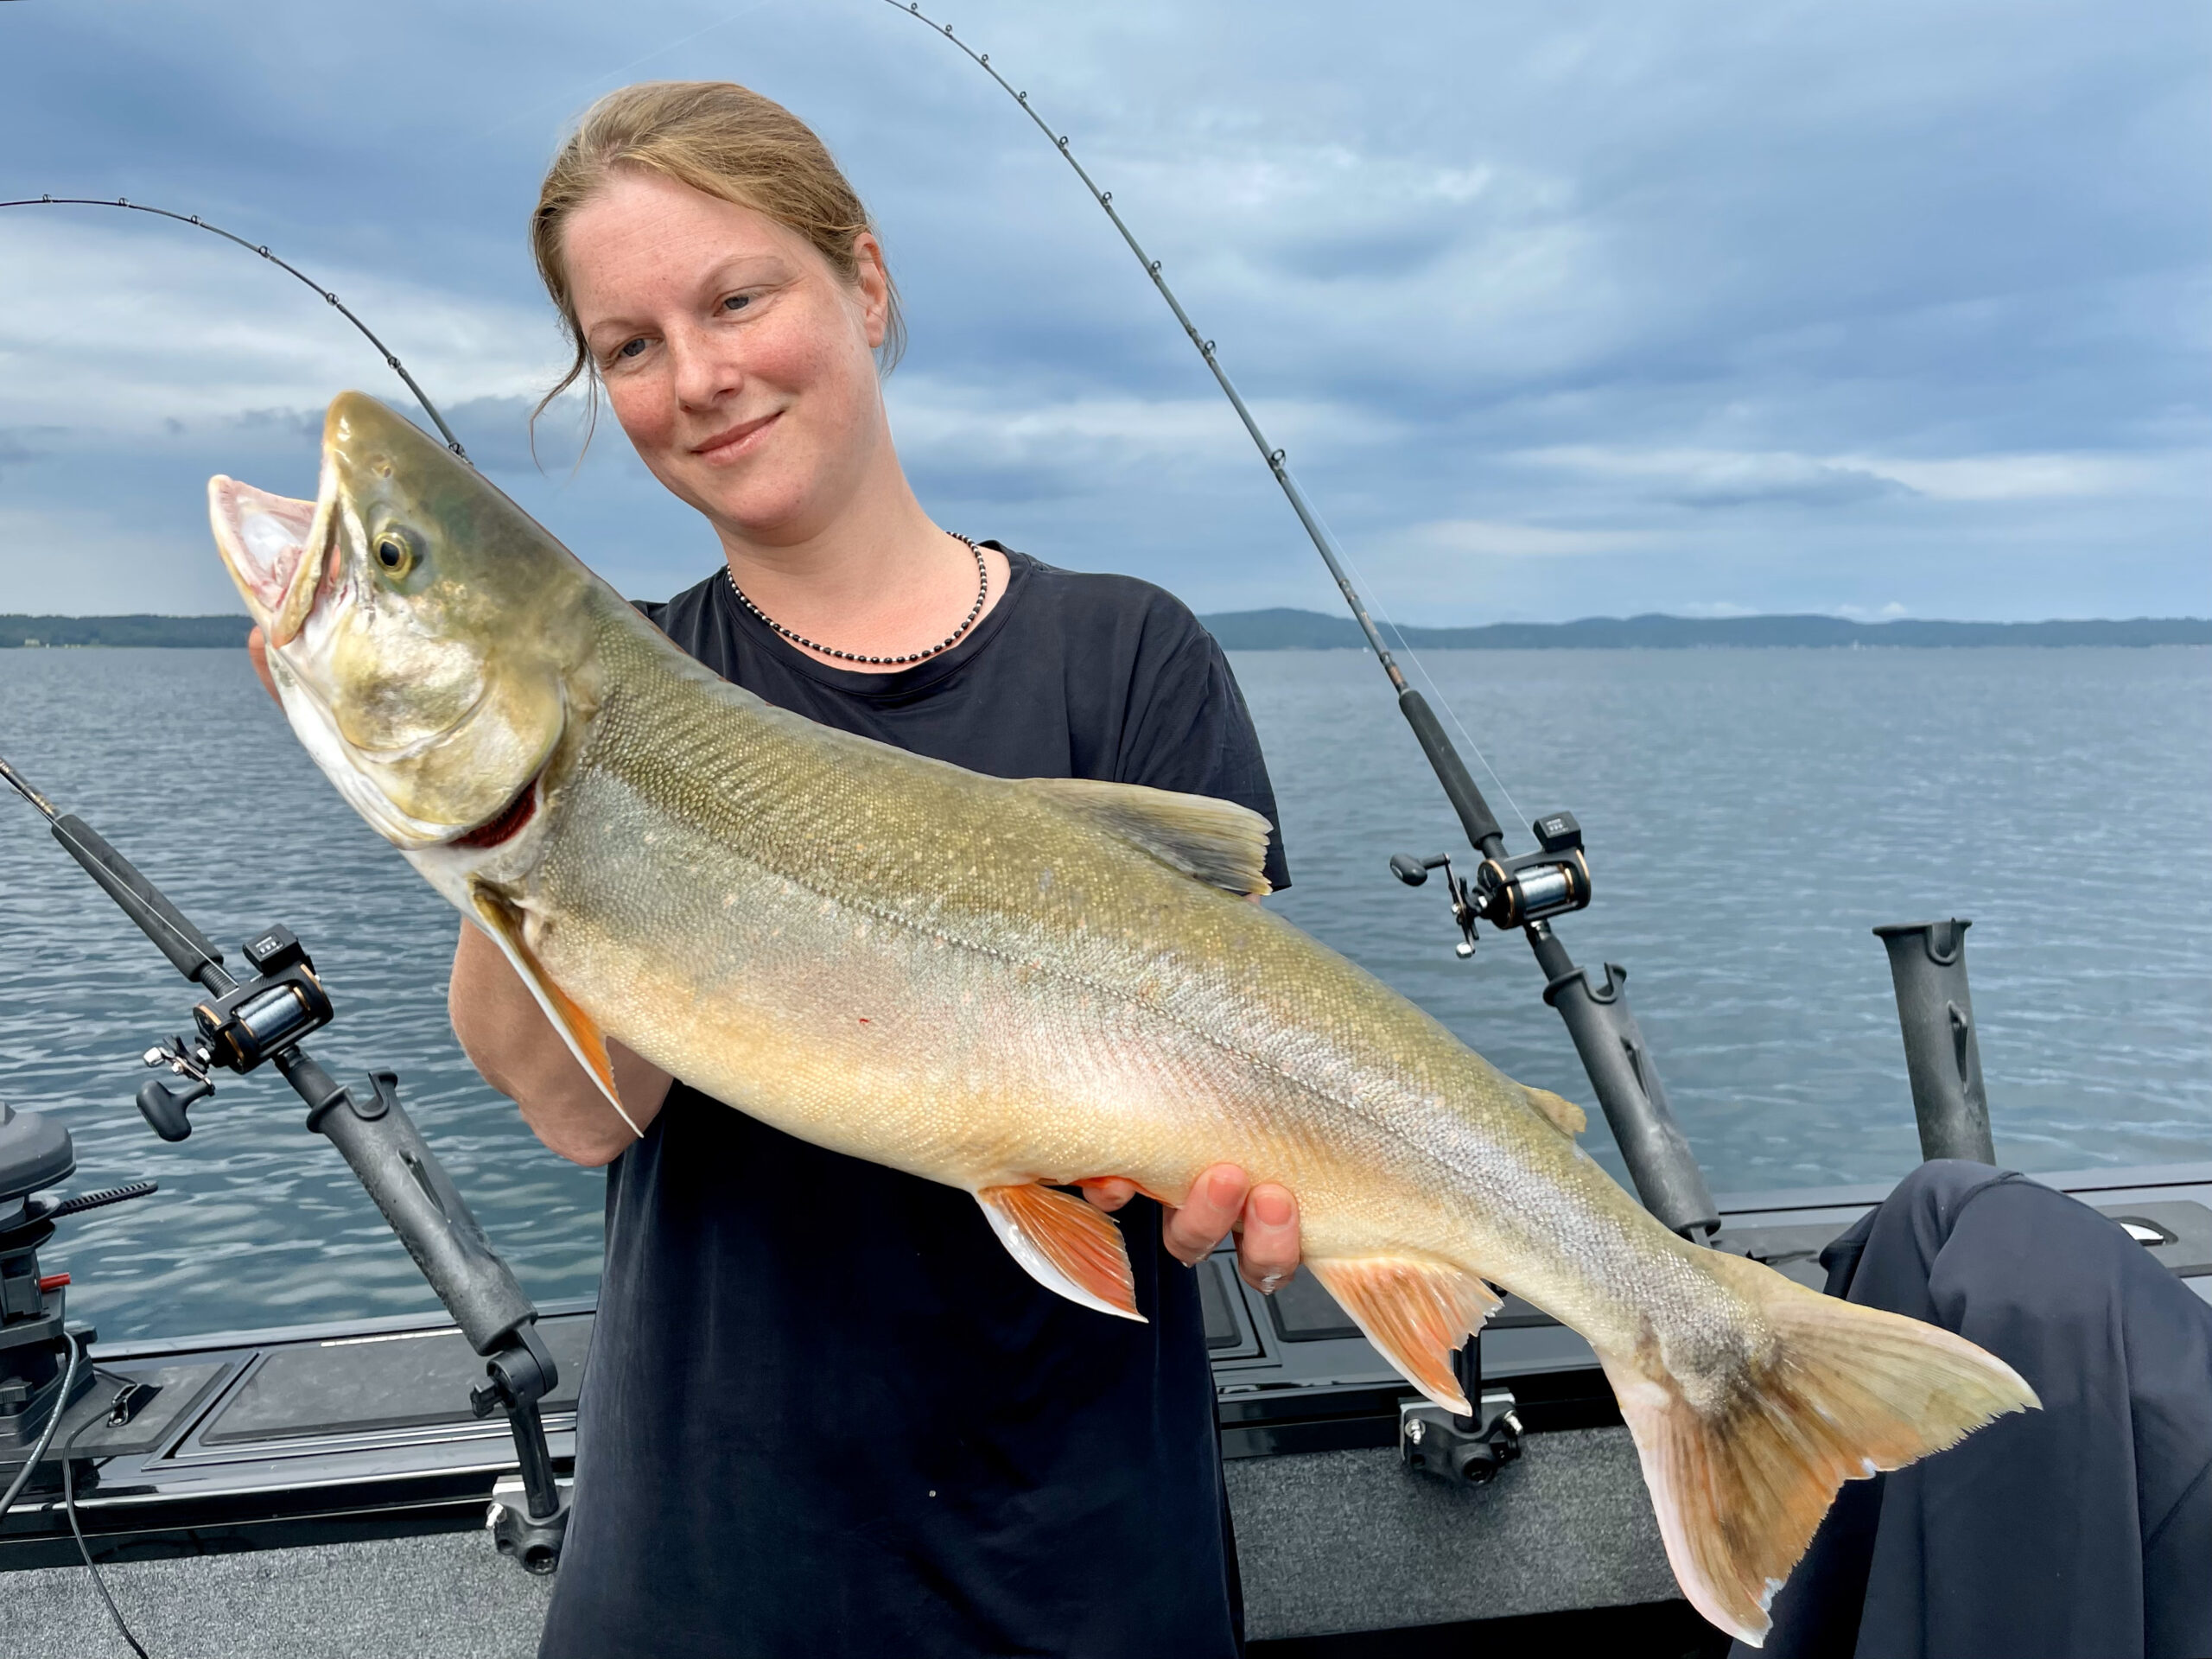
<point>1421,668</point>
<point>391,358</point>
<point>1323,542</point>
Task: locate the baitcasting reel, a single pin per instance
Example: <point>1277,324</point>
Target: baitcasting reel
<point>1510,893</point>
<point>237,1029</point>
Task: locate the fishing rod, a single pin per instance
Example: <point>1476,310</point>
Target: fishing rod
<point>391,358</point>
<point>262,1016</point>
<point>1508,891</point>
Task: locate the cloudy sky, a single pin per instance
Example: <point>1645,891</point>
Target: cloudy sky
<point>1897,307</point>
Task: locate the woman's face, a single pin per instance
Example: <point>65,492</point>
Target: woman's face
<point>739,362</point>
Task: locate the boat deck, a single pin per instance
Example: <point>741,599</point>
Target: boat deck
<point>322,1489</point>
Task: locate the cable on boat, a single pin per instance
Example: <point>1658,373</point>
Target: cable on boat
<point>38,1453</point>
<point>391,358</point>
<point>69,1504</point>
<point>1278,463</point>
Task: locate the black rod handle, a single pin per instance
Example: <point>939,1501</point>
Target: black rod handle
<point>1452,772</point>
<point>187,949</point>
<point>417,1198</point>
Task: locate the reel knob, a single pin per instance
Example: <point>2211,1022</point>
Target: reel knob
<point>163,1105</point>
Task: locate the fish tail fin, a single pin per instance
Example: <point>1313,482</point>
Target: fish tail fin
<point>1743,1468</point>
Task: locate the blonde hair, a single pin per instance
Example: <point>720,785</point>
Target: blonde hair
<point>723,140</point>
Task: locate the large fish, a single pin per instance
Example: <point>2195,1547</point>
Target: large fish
<point>1010,986</point>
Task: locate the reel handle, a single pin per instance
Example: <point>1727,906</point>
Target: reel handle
<point>163,1105</point>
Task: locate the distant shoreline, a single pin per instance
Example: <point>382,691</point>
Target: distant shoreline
<point>199,632</point>
<point>1291,630</point>
<point>1294,630</point>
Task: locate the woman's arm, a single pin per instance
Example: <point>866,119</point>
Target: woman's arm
<point>508,1037</point>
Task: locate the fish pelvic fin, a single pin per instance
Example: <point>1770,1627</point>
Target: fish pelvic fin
<point>502,920</point>
<point>1066,1244</point>
<point>1219,842</point>
<point>1742,1473</point>
<point>1569,1118</point>
<point>1415,1314</point>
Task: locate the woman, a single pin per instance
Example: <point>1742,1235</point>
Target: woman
<point>825,1413</point>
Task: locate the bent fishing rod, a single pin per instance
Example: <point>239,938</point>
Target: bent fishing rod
<point>1505,891</point>
<point>330,298</point>
<point>264,1016</point>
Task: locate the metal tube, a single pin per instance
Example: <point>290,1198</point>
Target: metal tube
<point>1927,967</point>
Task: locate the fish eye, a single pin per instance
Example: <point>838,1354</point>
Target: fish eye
<point>395,552</point>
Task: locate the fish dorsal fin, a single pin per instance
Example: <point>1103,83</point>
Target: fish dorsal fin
<point>1415,1314</point>
<point>1569,1118</point>
<point>1066,1244</point>
<point>502,920</point>
<point>1220,842</point>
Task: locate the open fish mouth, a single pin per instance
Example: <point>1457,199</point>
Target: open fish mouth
<point>273,546</point>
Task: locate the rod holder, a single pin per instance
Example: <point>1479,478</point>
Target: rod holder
<point>1613,1051</point>
<point>1943,1052</point>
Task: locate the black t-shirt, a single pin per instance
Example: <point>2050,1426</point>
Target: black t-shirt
<point>825,1413</point>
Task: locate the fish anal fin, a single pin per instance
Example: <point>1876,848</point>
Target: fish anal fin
<point>1218,842</point>
<point>1843,1392</point>
<point>503,921</point>
<point>1415,1314</point>
<point>1065,1243</point>
<point>1569,1118</point>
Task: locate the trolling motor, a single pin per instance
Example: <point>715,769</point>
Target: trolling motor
<point>239,1027</point>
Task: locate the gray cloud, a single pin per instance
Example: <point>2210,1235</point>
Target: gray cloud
<point>1884,304</point>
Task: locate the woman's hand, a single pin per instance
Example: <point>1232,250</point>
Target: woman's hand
<point>257,648</point>
<point>1223,1200</point>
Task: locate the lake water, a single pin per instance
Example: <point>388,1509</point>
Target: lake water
<point>1750,815</point>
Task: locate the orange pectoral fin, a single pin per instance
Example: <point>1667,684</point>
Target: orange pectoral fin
<point>577,1028</point>
<point>1415,1315</point>
<point>1066,1244</point>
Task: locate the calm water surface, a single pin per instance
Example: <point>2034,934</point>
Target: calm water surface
<point>1751,815</point>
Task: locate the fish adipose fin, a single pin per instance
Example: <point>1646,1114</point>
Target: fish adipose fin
<point>578,1029</point>
<point>1570,1118</point>
<point>1415,1313</point>
<point>1066,1244</point>
<point>1220,842</point>
<point>1742,1468</point>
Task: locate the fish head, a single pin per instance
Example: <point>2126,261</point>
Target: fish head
<point>426,638</point>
